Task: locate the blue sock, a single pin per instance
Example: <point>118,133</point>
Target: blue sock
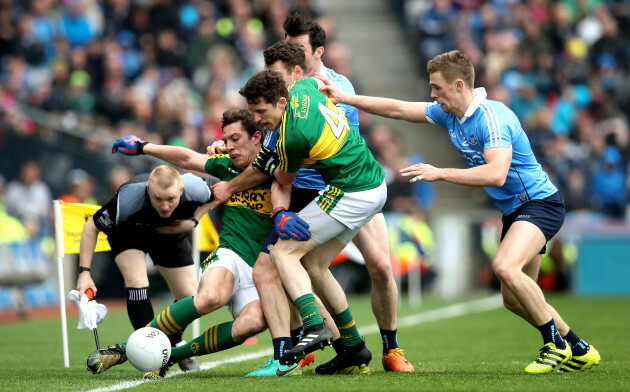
<point>550,334</point>
<point>389,340</point>
<point>296,335</point>
<point>280,345</point>
<point>578,346</point>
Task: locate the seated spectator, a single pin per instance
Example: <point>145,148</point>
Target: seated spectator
<point>29,200</point>
<point>608,187</point>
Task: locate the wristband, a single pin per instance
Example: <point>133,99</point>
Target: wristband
<point>194,220</point>
<point>276,211</point>
<point>83,269</point>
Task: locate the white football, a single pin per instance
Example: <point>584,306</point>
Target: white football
<point>148,349</point>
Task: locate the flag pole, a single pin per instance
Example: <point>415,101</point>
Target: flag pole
<point>62,299</point>
<point>196,258</point>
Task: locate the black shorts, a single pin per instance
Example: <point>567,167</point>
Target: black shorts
<point>166,250</point>
<point>547,214</point>
<point>300,197</point>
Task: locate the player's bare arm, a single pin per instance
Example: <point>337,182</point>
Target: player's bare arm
<point>280,195</point>
<point>248,179</point>
<point>284,178</point>
<point>86,252</point>
<point>492,174</point>
<point>384,107</point>
<point>185,225</point>
<point>178,156</point>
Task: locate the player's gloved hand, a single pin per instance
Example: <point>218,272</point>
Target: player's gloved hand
<point>289,225</point>
<point>266,161</point>
<point>130,145</point>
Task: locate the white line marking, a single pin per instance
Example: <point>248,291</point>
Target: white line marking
<point>456,310</point>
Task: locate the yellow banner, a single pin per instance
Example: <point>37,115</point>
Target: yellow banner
<point>209,238</point>
<point>74,217</point>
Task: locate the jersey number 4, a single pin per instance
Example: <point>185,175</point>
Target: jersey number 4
<point>335,119</point>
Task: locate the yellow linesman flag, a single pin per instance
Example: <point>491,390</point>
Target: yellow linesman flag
<point>74,217</point>
<point>209,238</point>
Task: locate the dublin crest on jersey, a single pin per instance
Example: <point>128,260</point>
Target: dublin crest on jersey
<point>473,141</point>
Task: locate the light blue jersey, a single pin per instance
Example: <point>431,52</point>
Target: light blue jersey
<point>489,124</point>
<point>343,84</point>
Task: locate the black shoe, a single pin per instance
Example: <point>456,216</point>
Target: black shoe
<point>105,358</point>
<point>314,338</point>
<point>350,360</point>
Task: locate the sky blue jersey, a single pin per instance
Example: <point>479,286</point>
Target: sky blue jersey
<point>343,84</point>
<point>310,178</point>
<point>489,124</point>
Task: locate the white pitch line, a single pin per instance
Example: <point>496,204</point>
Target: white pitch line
<point>456,310</point>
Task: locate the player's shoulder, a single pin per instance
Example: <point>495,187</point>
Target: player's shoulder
<point>341,81</point>
<point>495,114</point>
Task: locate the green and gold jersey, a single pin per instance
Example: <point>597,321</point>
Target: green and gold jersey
<point>315,134</point>
<point>246,219</point>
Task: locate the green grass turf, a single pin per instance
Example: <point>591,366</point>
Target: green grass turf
<point>485,351</point>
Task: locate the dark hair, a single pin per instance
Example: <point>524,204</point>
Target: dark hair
<point>290,53</point>
<point>268,85</point>
<point>453,65</point>
<point>295,25</point>
<point>246,118</point>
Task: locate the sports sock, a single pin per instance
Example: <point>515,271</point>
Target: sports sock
<point>217,338</point>
<point>550,334</point>
<point>390,340</point>
<point>347,328</point>
<point>176,337</point>
<point>280,345</point>
<point>578,346</point>
<point>307,307</point>
<point>176,317</point>
<point>139,306</point>
<point>296,335</point>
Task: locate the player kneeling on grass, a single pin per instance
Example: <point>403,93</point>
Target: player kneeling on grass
<point>226,275</point>
<point>152,214</point>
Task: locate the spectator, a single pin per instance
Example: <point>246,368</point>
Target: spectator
<point>29,200</point>
<point>608,188</point>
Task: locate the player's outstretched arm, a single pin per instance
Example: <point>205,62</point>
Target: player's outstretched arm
<point>86,252</point>
<point>492,174</point>
<point>178,156</point>
<point>384,107</point>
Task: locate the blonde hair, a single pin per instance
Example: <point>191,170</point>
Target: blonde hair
<point>453,65</point>
<point>165,176</point>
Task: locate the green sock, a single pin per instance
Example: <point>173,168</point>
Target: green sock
<point>217,338</point>
<point>176,317</point>
<point>307,307</point>
<point>347,328</point>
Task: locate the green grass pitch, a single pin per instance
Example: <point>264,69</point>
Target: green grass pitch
<point>453,348</point>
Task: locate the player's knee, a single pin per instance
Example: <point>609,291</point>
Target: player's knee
<point>504,271</point>
<point>380,270</point>
<point>264,273</point>
<point>254,321</point>
<point>208,301</point>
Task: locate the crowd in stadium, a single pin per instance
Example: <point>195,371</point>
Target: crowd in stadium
<point>166,70</point>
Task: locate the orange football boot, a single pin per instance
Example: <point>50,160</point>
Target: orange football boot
<point>395,361</point>
<point>307,360</point>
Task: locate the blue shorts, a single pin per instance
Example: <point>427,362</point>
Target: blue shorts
<point>300,197</point>
<point>547,214</point>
